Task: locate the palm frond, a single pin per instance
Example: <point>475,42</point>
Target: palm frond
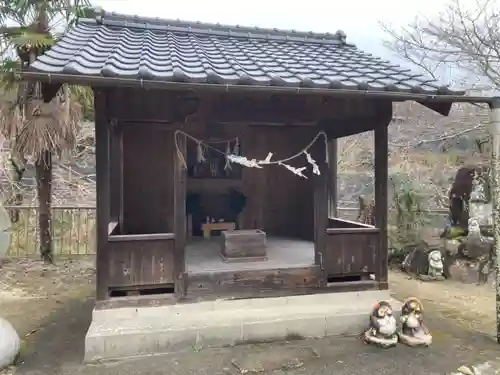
<point>28,40</point>
<point>32,125</point>
<point>49,126</point>
<point>85,97</point>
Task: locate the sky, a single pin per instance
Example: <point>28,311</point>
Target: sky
<point>359,19</point>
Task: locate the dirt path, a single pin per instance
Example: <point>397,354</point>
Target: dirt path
<point>468,305</point>
<point>31,291</point>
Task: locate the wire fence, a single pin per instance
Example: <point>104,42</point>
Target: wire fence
<point>74,230</point>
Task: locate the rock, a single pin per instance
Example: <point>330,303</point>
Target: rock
<point>10,344</point>
<point>452,246</point>
<point>465,370</point>
<point>461,190</point>
<point>416,261</point>
<point>486,368</point>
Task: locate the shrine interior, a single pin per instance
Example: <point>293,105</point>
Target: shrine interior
<point>217,200</point>
<point>221,196</point>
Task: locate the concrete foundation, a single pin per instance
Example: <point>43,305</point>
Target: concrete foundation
<point>130,332</point>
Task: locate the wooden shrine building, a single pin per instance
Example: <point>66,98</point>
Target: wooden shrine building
<point>179,107</point>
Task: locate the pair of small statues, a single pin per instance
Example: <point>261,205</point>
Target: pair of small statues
<point>384,330</point>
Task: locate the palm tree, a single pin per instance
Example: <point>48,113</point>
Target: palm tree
<point>37,130</point>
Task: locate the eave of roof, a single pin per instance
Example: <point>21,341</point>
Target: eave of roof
<point>100,81</point>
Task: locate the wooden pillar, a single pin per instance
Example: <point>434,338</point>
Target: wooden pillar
<point>321,206</point>
<point>381,202</point>
<point>180,218</point>
<point>116,174</point>
<point>332,178</point>
<point>102,140</point>
<point>120,174</point>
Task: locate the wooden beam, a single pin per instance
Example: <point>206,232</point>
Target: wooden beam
<point>321,198</point>
<point>332,176</point>
<point>381,201</point>
<point>180,219</point>
<point>338,128</point>
<point>120,182</point>
<point>116,174</point>
<point>102,138</point>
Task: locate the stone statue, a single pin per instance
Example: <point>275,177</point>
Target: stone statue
<point>435,267</point>
<point>413,331</point>
<point>10,344</point>
<point>479,248</point>
<point>383,326</point>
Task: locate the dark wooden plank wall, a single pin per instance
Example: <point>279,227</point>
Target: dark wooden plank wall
<point>287,203</point>
<point>351,249</point>
<point>253,283</point>
<point>137,261</point>
<point>148,175</point>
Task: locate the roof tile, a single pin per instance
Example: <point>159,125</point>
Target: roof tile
<point>152,49</point>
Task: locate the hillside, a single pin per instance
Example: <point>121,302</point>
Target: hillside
<point>424,146</point>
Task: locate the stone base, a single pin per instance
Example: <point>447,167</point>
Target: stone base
<point>130,332</point>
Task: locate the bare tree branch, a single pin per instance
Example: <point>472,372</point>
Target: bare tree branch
<point>462,37</point>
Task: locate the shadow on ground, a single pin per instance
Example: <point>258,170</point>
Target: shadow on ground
<point>57,348</point>
<point>59,341</point>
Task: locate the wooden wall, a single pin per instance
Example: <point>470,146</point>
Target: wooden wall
<point>148,198</point>
<point>278,201</point>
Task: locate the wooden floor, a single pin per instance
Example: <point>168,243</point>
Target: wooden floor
<point>204,255</point>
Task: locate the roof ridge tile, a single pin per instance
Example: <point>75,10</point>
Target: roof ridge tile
<point>205,28</point>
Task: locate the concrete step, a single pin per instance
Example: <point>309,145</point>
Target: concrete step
<point>131,332</point>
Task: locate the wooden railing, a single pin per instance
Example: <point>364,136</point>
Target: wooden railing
<point>136,260</point>
<point>351,249</point>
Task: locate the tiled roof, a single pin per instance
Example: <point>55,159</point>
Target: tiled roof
<point>161,50</point>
